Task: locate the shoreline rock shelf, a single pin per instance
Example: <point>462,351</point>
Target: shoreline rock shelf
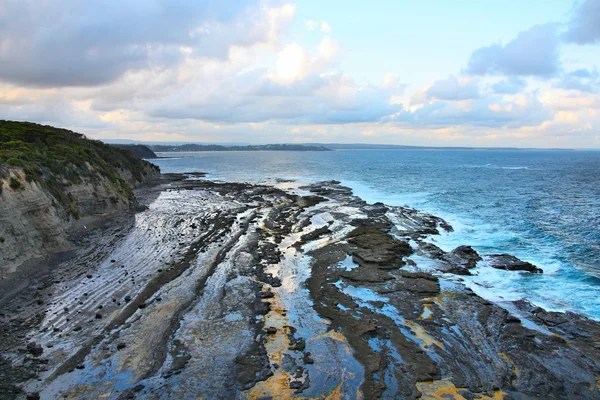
<point>234,290</point>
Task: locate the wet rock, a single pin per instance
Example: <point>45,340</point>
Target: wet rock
<point>298,345</point>
<point>306,359</point>
<point>314,234</point>
<point>35,349</point>
<point>266,295</point>
<point>271,280</point>
<point>252,367</point>
<point>432,250</point>
<point>465,256</point>
<point>271,330</point>
<point>445,226</point>
<point>511,263</point>
<point>299,385</point>
<point>374,246</point>
<point>295,384</point>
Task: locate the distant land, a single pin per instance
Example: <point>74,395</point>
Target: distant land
<point>215,147</point>
<point>239,146</point>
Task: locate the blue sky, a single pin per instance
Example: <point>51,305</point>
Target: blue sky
<point>422,40</point>
<point>433,72</point>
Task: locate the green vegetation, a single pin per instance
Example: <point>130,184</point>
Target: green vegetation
<point>57,158</point>
<point>138,149</point>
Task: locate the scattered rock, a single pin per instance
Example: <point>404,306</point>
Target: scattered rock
<point>511,263</point>
<point>266,295</point>
<point>307,359</point>
<point>466,256</point>
<point>298,345</point>
<point>35,349</point>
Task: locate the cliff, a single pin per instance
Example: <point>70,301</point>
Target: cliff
<point>53,179</point>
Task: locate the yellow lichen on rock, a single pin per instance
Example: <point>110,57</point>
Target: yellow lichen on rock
<point>445,389</point>
<point>442,389</point>
<point>421,334</point>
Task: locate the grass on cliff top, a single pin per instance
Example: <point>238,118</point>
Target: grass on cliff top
<point>58,158</point>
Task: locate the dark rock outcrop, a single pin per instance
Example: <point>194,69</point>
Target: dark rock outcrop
<point>511,263</point>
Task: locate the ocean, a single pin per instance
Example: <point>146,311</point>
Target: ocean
<point>542,206</point>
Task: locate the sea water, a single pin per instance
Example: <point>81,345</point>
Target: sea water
<point>543,206</point>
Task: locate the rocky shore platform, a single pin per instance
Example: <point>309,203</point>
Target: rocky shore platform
<point>219,290</point>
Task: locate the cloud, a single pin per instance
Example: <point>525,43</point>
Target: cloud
<point>95,43</point>
<point>491,111</point>
<point>584,26</point>
<point>316,99</point>
<point>217,71</point>
<point>310,25</point>
<point>532,53</point>
<point>512,85</point>
<point>453,89</point>
<point>583,80</point>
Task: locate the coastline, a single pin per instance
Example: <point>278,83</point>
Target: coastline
<point>226,265</point>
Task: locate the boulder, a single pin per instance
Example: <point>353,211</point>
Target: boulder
<point>465,256</point>
<point>511,263</point>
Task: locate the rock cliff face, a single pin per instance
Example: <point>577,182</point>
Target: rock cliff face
<point>34,224</point>
<point>54,181</point>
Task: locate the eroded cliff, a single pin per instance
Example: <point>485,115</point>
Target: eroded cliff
<point>53,181</point>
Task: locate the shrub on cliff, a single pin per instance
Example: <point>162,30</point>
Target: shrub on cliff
<point>14,183</point>
<point>57,158</point>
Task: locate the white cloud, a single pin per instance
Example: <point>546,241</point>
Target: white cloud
<point>95,43</point>
<point>310,25</point>
<point>453,89</point>
<point>533,52</point>
<point>234,77</point>
<point>584,26</point>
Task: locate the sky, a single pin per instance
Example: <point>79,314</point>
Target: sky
<point>490,73</point>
